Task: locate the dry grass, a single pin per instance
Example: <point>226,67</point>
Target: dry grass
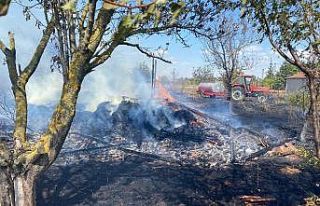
<point>189,89</point>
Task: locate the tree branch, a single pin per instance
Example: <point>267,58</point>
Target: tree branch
<point>104,56</point>
<point>141,6</point>
<point>10,54</point>
<point>90,23</point>
<point>3,48</point>
<point>144,51</point>
<point>82,20</point>
<point>296,59</point>
<point>164,28</point>
<point>224,58</point>
<point>72,34</point>
<point>272,42</point>
<point>62,40</point>
<point>33,64</point>
<point>119,36</point>
<point>4,7</point>
<point>18,88</point>
<point>103,19</point>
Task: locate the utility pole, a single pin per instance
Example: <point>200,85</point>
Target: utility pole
<point>173,75</point>
<point>154,73</point>
<point>262,76</point>
<point>153,76</point>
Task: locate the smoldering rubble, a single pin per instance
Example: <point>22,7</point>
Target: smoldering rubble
<point>166,130</point>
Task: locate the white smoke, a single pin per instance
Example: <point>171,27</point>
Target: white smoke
<point>115,79</point>
<point>112,80</point>
<point>44,88</point>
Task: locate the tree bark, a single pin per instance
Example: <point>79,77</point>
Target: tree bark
<point>229,90</point>
<point>6,188</point>
<point>17,192</point>
<point>50,144</point>
<point>314,112</point>
<point>19,134</point>
<point>4,7</point>
<point>228,86</point>
<point>24,190</point>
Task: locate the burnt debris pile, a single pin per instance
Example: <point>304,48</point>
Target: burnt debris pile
<point>137,121</point>
<point>163,130</point>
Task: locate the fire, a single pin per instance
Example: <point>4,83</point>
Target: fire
<point>163,93</point>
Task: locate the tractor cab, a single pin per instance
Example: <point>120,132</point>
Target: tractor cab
<point>243,87</point>
<point>244,81</point>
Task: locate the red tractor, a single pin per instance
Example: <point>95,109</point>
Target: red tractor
<point>244,87</point>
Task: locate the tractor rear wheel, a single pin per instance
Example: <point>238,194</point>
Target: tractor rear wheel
<point>262,98</point>
<point>237,94</point>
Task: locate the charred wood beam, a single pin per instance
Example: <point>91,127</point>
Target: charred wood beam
<point>163,134</point>
<point>267,149</point>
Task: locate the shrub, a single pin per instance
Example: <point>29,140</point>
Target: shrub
<point>299,99</point>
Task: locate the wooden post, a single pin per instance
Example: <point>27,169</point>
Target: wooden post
<point>152,78</point>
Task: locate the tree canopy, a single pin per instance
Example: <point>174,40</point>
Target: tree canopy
<point>277,79</point>
<point>225,52</point>
<point>291,26</point>
<point>203,74</point>
<point>293,29</point>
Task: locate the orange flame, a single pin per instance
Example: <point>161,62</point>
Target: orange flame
<point>162,93</point>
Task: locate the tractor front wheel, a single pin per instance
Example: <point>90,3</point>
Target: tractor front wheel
<point>237,94</point>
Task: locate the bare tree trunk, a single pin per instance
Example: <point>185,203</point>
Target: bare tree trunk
<point>315,113</point>
<point>6,188</point>
<point>19,189</point>
<point>17,192</point>
<point>24,190</point>
<point>228,85</point>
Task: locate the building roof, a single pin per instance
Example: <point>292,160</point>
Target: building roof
<point>299,75</point>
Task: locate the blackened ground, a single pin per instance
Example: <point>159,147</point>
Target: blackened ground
<point>142,181</point>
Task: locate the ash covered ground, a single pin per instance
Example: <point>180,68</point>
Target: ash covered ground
<point>163,129</point>
<point>189,152</point>
<point>153,153</point>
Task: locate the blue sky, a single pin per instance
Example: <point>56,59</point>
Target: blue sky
<point>186,58</point>
<point>123,59</point>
